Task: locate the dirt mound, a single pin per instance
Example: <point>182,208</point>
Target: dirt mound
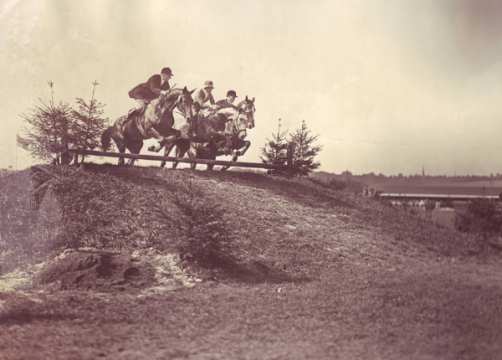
<point>298,227</point>
<point>89,269</point>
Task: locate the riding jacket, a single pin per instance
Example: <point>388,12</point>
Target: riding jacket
<point>202,96</point>
<point>149,90</point>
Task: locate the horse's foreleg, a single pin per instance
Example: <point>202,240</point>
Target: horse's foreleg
<point>247,144</point>
<point>122,150</point>
<point>238,153</point>
<point>167,151</point>
<point>163,140</point>
<point>226,167</point>
<point>152,132</point>
<point>158,147</point>
<point>182,148</point>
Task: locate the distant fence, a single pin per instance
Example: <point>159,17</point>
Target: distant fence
<point>436,197</point>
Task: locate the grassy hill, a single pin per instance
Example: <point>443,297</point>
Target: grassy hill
<point>281,269</point>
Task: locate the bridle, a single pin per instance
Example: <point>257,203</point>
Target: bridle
<point>236,130</point>
<point>247,112</point>
<point>177,105</point>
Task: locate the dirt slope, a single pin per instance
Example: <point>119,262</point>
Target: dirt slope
<point>358,280</point>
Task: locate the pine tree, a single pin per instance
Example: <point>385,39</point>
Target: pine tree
<point>275,150</point>
<point>89,121</point>
<point>305,150</point>
<point>49,131</point>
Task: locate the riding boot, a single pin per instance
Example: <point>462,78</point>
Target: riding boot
<point>139,112</point>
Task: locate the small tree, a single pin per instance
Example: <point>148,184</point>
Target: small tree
<point>275,150</point>
<point>305,150</point>
<point>89,121</point>
<point>48,132</point>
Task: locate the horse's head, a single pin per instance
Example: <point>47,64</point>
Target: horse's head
<point>185,103</point>
<point>237,122</point>
<point>176,98</point>
<point>246,112</point>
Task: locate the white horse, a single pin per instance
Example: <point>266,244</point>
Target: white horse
<point>217,133</point>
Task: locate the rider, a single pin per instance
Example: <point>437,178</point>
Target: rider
<point>228,102</point>
<point>151,89</point>
<point>204,95</point>
<point>201,98</point>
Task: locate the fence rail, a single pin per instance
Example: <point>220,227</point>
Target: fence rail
<point>185,160</point>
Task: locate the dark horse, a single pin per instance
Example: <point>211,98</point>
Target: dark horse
<point>220,133</point>
<point>155,122</point>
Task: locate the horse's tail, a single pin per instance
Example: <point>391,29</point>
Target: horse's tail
<point>106,138</point>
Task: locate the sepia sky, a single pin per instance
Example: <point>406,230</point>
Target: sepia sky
<point>389,85</point>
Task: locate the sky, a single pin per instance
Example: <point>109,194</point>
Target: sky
<point>390,86</point>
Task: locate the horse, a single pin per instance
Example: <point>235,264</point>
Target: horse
<point>128,132</point>
<point>222,133</point>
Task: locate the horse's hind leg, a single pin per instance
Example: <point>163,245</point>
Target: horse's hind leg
<point>122,149</point>
<point>134,148</point>
<point>210,154</point>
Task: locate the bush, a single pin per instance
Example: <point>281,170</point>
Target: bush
<point>208,237</point>
<point>305,150</point>
<point>49,132</point>
<point>337,184</point>
<point>275,150</point>
<point>482,216</point>
<point>51,129</point>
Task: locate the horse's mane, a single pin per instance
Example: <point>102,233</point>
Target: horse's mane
<point>173,92</point>
<point>228,111</point>
<point>161,100</point>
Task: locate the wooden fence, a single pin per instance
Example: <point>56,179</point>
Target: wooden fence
<point>242,164</point>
